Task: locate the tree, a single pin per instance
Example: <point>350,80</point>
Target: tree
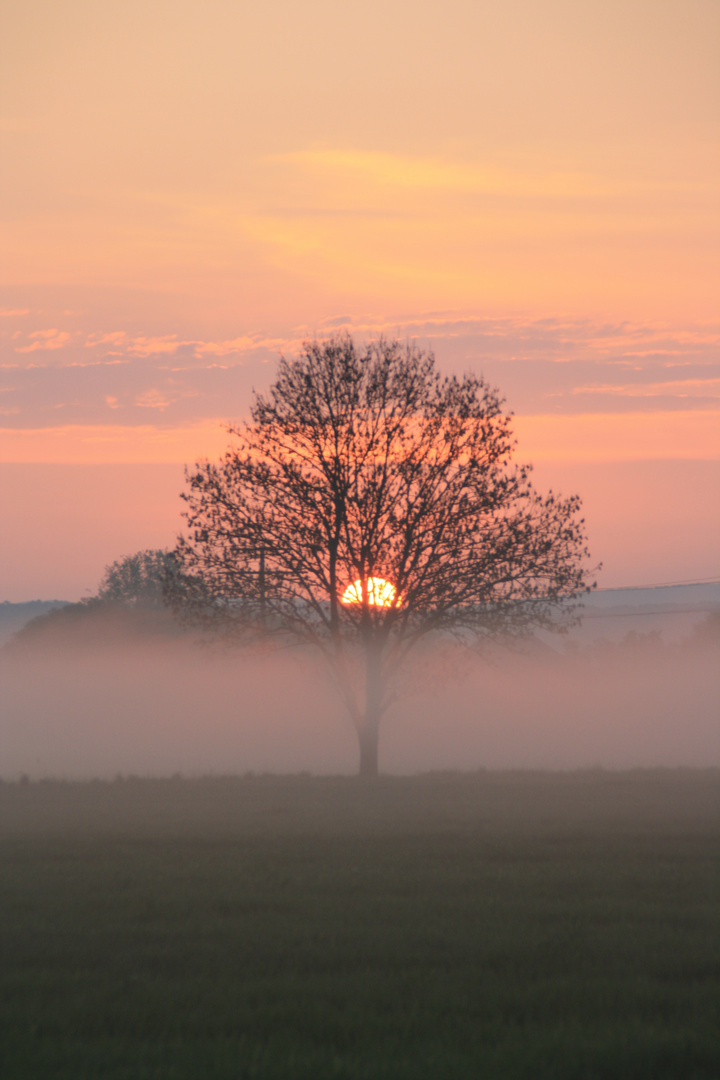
<point>137,580</point>
<point>368,504</point>
<point>129,605</point>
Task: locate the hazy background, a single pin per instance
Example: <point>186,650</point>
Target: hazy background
<point>638,686</point>
<point>528,188</point>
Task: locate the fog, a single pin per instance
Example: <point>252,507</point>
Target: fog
<point>158,706</point>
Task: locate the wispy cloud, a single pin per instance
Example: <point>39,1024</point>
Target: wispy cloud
<point>45,340</point>
<point>444,174</point>
<point>154,346</point>
<point>551,365</point>
<point>114,443</point>
<point>680,388</point>
<point>588,437</point>
<point>153,399</point>
<point>115,337</point>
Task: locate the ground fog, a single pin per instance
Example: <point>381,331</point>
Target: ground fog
<point>159,706</point>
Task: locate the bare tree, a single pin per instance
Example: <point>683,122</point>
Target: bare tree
<point>370,502</point>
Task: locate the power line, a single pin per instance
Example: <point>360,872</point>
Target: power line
<point>659,585</point>
<point>644,613</point>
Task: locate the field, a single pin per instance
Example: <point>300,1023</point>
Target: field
<point>509,925</point>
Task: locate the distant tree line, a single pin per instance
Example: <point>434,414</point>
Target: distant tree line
<point>129,604</point>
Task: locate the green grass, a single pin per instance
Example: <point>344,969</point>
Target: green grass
<point>464,926</point>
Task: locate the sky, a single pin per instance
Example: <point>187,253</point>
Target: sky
<point>529,189</point>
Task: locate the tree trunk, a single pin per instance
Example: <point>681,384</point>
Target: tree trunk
<point>368,736</point>
<point>369,727</point>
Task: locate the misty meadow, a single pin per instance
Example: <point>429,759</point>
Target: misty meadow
<point>499,919</point>
<point>504,925</point>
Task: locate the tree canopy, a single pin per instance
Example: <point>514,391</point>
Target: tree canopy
<point>136,580</point>
<point>367,503</point>
<point>129,605</point>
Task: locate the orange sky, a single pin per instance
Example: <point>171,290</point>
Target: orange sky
<point>529,188</point>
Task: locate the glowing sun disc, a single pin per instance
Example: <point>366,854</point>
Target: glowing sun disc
<point>379,593</point>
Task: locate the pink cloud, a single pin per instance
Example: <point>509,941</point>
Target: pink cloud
<point>45,340</point>
<point>153,399</point>
<point>169,344</point>
<point>151,346</point>
<point>676,387</point>
<point>116,337</point>
<point>224,348</point>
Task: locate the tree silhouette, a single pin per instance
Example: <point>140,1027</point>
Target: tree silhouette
<point>368,503</point>
<point>137,580</point>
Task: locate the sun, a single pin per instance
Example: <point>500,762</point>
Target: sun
<point>379,592</point>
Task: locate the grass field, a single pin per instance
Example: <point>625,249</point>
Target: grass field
<point>453,926</point>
